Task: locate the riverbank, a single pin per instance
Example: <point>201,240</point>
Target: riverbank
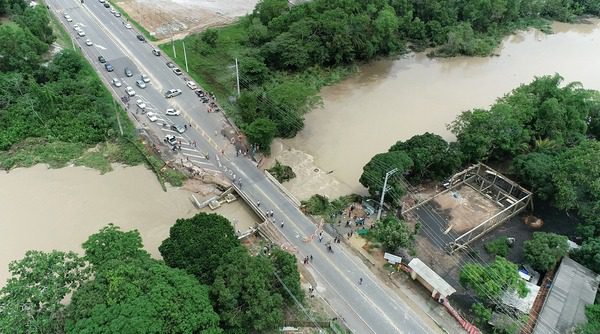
<point>45,209</point>
<point>390,100</point>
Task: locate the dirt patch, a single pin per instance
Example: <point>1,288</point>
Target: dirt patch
<point>163,18</point>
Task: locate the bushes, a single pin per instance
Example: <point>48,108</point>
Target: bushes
<point>281,172</point>
<point>497,247</point>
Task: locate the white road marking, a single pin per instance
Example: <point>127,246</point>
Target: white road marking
<point>100,47</point>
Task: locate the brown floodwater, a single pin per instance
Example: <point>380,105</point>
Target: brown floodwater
<point>392,100</point>
<point>46,209</point>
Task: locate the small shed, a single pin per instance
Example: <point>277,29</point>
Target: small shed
<point>523,304</point>
<point>440,289</point>
<point>573,288</point>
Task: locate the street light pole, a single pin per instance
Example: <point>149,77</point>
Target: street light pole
<point>237,74</point>
<point>185,56</point>
<point>387,175</point>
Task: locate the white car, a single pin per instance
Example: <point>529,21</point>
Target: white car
<point>140,84</point>
<point>170,139</point>
<point>117,14</point>
<point>81,33</point>
<point>76,27</point>
<point>145,78</point>
<point>172,93</point>
<point>140,104</point>
<point>152,117</point>
<point>112,11</point>
<point>101,1</point>
<point>68,18</point>
<point>172,112</point>
<point>88,42</point>
<point>191,85</point>
<point>130,91</point>
<point>116,82</point>
<point>128,25</point>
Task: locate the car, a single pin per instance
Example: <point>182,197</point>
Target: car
<point>106,5</point>
<point>130,91</point>
<point>140,84</point>
<point>177,71</point>
<point>81,33</point>
<point>156,52</point>
<point>170,65</point>
<point>88,42</point>
<point>172,112</point>
<point>140,104</point>
<point>170,139</point>
<point>117,14</point>
<point>116,82</point>
<point>101,59</point>
<point>128,25</point>
<point>199,92</point>
<point>145,78</point>
<point>68,17</point>
<point>102,1</point>
<point>172,93</point>
<point>109,67</point>
<point>179,128</point>
<point>152,117</point>
<point>112,11</point>
<point>141,38</point>
<point>128,72</point>
<point>192,85</point>
<point>76,27</point>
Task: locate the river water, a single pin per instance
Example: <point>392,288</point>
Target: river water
<point>392,100</point>
<point>46,209</point>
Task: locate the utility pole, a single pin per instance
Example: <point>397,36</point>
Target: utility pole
<point>237,75</point>
<point>173,44</point>
<point>387,175</point>
<point>185,56</point>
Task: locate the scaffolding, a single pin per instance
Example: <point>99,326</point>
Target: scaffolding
<point>504,193</point>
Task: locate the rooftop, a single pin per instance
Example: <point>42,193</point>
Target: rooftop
<point>512,299</point>
<point>431,277</point>
<point>574,287</point>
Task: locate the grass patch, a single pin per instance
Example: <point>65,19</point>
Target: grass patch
<point>134,22</point>
<point>36,150</point>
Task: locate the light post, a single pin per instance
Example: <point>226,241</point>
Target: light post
<point>387,175</point>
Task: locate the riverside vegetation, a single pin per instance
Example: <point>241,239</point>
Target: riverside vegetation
<point>287,53</point>
<point>55,109</point>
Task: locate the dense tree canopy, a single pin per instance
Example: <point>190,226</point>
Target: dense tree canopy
<point>374,171</point>
<point>490,281</point>
<point>393,234</point>
<point>198,244</point>
<point>111,243</point>
<point>544,250</point>
<point>31,300</point>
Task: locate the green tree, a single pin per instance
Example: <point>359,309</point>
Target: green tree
<point>491,280</point>
<point>261,131</point>
<point>393,234</point>
<point>31,300</point>
<point>589,254</point>
<point>198,244</point>
<point>19,49</point>
<point>244,293</point>
<point>592,312</point>
<point>544,250</point>
<point>374,172</point>
<point>210,37</point>
<point>111,243</point>
<point>37,21</point>
<point>497,247</point>
<point>286,268</point>
<point>266,10</point>
<point>482,314</point>
<point>535,170</point>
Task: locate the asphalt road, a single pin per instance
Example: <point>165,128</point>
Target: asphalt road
<point>371,307</point>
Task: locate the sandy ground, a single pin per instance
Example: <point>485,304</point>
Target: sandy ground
<point>46,209</point>
<point>180,17</point>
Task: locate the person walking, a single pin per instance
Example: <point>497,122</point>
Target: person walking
<point>282,224</point>
<point>258,203</point>
<point>360,280</point>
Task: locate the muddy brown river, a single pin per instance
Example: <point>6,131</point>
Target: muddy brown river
<point>392,100</point>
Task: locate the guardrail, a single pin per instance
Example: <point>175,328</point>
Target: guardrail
<point>282,188</point>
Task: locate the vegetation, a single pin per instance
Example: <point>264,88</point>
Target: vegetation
<point>498,247</point>
<point>374,171</point>
<point>482,314</point>
<point>320,205</point>
<point>490,281</point>
<point>282,172</point>
<point>544,250</point>
<point>393,234</point>
<point>589,254</point>
<point>592,326</point>
<point>287,53</point>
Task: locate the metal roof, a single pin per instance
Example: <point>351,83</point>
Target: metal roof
<point>431,277</point>
<point>574,287</point>
<point>512,299</point>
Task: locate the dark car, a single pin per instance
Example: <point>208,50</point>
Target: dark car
<point>109,67</point>
<point>106,5</point>
<point>170,65</point>
<point>199,92</point>
<point>156,52</point>
<point>141,38</point>
<point>128,72</point>
<point>101,59</point>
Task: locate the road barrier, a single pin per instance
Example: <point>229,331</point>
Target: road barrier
<point>282,188</point>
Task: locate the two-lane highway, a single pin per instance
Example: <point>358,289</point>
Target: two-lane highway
<point>370,307</point>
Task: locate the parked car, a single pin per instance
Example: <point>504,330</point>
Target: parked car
<point>177,71</point>
<point>102,1</point>
<point>156,52</point>
<point>109,67</point>
<point>140,84</point>
<point>170,65</point>
<point>117,14</point>
<point>141,38</point>
<point>101,59</point>
<point>68,17</point>
<point>170,139</point>
<point>145,78</point>
<point>112,11</point>
<point>116,82</point>
<point>172,112</point>
<point>88,42</point>
<point>81,33</point>
<point>179,128</point>
<point>128,25</point>
<point>106,5</point>
<point>192,85</point>
<point>140,104</point>
<point>172,93</point>
<point>130,91</point>
<point>199,92</point>
<point>128,72</point>
<point>152,117</point>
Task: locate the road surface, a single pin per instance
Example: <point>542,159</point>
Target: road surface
<point>371,307</point>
